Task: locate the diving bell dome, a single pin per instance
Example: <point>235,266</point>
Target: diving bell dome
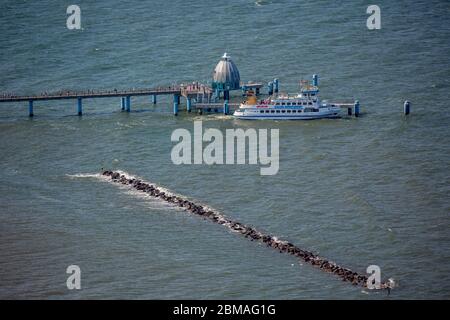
<point>226,75</point>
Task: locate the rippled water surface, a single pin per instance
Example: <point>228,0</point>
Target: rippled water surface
<point>371,190</point>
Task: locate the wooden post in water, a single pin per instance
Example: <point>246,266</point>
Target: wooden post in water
<point>128,103</point>
<point>356,108</point>
<point>315,81</point>
<point>225,107</point>
<point>406,107</point>
<point>270,88</point>
<point>176,102</point>
<point>80,106</point>
<point>30,108</point>
<point>188,104</point>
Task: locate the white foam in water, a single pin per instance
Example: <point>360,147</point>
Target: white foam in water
<point>155,203</point>
<point>84,175</point>
<point>163,189</point>
<point>230,224</point>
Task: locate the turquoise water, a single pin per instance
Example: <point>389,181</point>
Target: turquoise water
<point>371,190</point>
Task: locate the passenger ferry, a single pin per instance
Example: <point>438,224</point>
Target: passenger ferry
<point>304,106</point>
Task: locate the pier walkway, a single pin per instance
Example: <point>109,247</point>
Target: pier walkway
<point>198,91</point>
<point>69,94</point>
<point>198,96</point>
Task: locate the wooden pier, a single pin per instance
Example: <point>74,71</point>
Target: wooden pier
<point>92,94</point>
<point>200,96</point>
<point>199,92</point>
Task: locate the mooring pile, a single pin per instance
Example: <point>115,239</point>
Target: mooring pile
<point>249,232</point>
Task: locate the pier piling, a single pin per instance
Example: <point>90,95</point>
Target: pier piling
<point>315,80</point>
<point>128,103</point>
<point>80,106</point>
<point>406,107</point>
<point>225,107</point>
<point>154,99</point>
<point>176,102</point>
<point>275,85</point>
<point>270,88</point>
<point>122,103</point>
<point>356,108</point>
<point>349,111</point>
<point>188,104</point>
<point>30,108</point>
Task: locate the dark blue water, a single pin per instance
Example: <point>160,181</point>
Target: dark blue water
<point>371,190</point>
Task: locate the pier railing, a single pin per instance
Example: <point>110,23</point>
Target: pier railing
<point>69,94</point>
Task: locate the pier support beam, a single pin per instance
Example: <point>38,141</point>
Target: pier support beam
<point>188,104</point>
<point>356,108</point>
<point>315,80</point>
<point>270,88</point>
<point>30,108</point>
<point>122,103</point>
<point>128,103</point>
<point>176,103</point>
<point>154,99</point>
<point>349,111</point>
<point>276,85</point>
<point>80,106</point>
<point>406,107</point>
<point>225,107</point>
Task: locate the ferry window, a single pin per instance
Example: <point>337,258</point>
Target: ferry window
<point>278,111</point>
<point>294,111</point>
<point>294,103</point>
<point>289,111</point>
<point>313,94</point>
<point>288,103</point>
<point>310,103</point>
<point>272,111</point>
<point>267,111</point>
<point>261,111</point>
<point>278,104</point>
<point>283,111</point>
<point>283,103</point>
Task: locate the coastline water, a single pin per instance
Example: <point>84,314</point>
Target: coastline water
<point>371,190</point>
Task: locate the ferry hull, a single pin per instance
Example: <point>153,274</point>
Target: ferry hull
<point>303,116</point>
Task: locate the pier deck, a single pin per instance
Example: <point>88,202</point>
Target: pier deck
<point>93,94</point>
<point>199,96</point>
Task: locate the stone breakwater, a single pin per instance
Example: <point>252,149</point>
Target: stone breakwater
<point>248,232</point>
